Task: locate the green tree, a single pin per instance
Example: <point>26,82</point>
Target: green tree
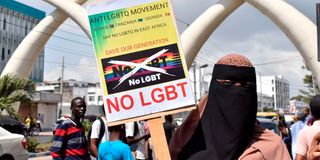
<point>306,94</point>
<point>14,89</point>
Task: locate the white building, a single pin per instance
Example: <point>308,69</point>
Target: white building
<point>276,87</point>
<point>200,73</point>
<point>91,92</point>
<point>264,101</point>
<point>45,103</point>
<point>71,89</point>
<point>94,95</point>
<point>16,21</point>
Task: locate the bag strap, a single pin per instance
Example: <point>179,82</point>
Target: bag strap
<point>135,129</point>
<point>102,130</point>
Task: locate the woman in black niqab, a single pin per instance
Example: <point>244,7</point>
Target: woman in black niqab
<point>227,123</point>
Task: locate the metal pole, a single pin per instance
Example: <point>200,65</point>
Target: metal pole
<point>61,88</point>
<point>261,96</point>
<point>201,78</point>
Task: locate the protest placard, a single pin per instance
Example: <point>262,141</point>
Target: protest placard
<point>141,67</point>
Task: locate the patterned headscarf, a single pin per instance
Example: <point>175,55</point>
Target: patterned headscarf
<point>235,60</point>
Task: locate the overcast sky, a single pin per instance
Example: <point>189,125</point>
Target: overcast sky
<point>245,31</point>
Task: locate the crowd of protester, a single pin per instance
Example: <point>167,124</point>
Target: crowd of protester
<point>129,141</point>
<point>215,130</point>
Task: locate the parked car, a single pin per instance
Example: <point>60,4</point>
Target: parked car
<point>12,146</point>
<point>13,125</point>
<point>268,115</point>
<point>270,124</point>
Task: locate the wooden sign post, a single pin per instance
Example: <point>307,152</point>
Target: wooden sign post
<point>158,138</point>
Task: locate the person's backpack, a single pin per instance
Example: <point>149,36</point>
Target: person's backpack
<point>101,132</point>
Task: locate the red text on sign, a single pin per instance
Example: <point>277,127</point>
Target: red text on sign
<point>157,95</point>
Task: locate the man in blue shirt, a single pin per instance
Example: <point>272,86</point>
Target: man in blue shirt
<point>295,129</point>
<point>115,149</point>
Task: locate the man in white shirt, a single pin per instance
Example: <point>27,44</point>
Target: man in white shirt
<point>96,137</point>
<point>39,121</point>
<point>306,135</point>
<point>136,138</point>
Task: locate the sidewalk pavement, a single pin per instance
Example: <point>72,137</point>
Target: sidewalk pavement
<point>39,155</point>
<point>41,158</point>
<point>50,158</point>
<point>46,133</point>
<point>44,155</point>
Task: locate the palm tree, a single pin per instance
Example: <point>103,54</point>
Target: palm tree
<point>14,89</point>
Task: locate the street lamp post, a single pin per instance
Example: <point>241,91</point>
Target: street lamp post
<point>201,78</point>
<point>61,89</point>
<point>194,81</point>
<point>204,87</point>
<point>195,66</point>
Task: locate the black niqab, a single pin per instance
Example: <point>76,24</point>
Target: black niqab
<point>227,124</point>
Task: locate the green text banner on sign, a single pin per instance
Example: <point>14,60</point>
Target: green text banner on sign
<point>141,67</point>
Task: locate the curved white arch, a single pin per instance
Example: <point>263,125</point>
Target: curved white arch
<point>76,13</point>
<point>300,30</point>
<point>27,52</point>
<point>198,32</point>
